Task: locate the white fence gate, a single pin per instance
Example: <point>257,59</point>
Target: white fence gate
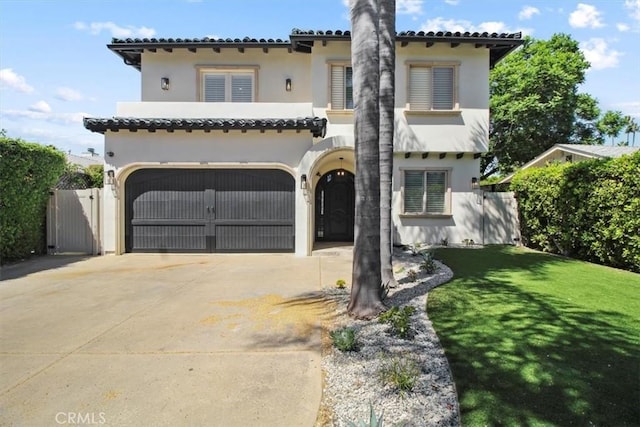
<point>500,219</point>
<point>73,222</point>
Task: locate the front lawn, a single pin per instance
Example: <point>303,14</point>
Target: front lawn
<point>536,339</point>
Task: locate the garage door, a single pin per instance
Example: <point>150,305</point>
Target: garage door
<point>210,210</point>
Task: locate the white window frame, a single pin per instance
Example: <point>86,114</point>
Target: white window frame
<point>447,193</point>
<point>227,71</point>
<point>340,106</point>
<point>453,65</point>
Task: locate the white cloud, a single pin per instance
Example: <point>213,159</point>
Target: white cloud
<point>599,54</point>
<point>409,7</point>
<point>622,27</point>
<point>40,107</point>
<point>68,94</point>
<point>527,12</point>
<point>64,118</point>
<point>15,81</point>
<point>115,30</point>
<point>585,16</point>
<point>441,24</point>
<point>634,8</point>
<point>452,2</point>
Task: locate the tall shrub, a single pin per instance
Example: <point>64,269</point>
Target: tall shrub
<point>586,210</point>
<point>28,171</point>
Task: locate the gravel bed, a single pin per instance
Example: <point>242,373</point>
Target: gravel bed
<point>352,379</point>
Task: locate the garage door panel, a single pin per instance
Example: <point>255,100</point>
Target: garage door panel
<point>181,210</point>
<point>236,238</point>
<point>169,238</point>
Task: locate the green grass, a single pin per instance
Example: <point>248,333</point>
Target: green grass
<point>535,339</point>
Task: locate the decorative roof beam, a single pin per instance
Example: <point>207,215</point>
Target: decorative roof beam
<point>168,49</point>
<point>425,155</point>
<point>477,155</point>
<point>192,49</point>
<point>459,156</point>
<point>429,44</point>
<point>407,155</point>
<point>404,44</point>
<point>455,44</point>
<point>216,49</point>
<point>241,49</point>
<point>443,155</point>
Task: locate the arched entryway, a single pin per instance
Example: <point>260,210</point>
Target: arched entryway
<point>335,207</point>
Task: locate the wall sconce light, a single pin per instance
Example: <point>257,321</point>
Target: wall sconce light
<point>110,153</point>
<point>164,83</point>
<point>341,170</point>
<point>303,182</point>
<point>287,85</point>
<point>474,183</point>
<point>111,175</point>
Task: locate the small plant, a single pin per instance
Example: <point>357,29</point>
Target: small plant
<point>344,339</point>
<point>340,284</point>
<point>400,320</point>
<point>415,248</point>
<point>444,242</point>
<point>468,242</point>
<point>400,372</point>
<point>374,421</point>
<point>428,265</point>
<point>412,275</point>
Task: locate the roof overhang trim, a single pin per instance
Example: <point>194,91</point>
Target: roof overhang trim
<point>316,125</point>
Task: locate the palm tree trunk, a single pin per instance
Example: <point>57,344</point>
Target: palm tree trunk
<point>387,50</point>
<point>366,301</point>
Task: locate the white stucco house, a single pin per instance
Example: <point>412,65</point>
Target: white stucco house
<point>247,144</point>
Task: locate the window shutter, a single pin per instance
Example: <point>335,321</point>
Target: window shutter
<point>214,87</point>
<point>420,88</point>
<point>337,87</point>
<point>348,88</point>
<point>443,88</point>
<point>436,191</point>
<point>413,191</point>
<point>241,88</point>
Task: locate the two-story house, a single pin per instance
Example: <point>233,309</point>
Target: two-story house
<point>247,145</point>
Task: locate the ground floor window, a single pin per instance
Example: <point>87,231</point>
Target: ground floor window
<point>426,192</point>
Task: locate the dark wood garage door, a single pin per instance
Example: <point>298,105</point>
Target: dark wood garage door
<point>210,210</point>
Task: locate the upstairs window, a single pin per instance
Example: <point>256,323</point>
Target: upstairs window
<point>341,87</point>
<point>227,85</point>
<point>426,192</point>
<point>432,87</point>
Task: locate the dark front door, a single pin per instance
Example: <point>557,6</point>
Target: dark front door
<point>335,207</point>
<point>209,210</point>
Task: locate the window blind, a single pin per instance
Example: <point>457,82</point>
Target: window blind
<point>214,87</point>
<point>436,190</point>
<point>413,191</point>
<point>443,88</point>
<point>337,87</point>
<point>420,88</point>
<point>241,88</point>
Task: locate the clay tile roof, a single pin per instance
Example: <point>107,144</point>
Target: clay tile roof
<point>317,126</point>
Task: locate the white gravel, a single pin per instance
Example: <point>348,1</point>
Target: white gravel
<point>352,379</point>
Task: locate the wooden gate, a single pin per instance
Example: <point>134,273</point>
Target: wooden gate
<point>73,222</point>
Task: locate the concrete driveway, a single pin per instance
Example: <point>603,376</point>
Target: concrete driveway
<point>217,340</point>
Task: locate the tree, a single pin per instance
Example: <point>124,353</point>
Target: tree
<point>586,129</point>
<point>387,32</point>
<point>366,289</point>
<point>611,124</point>
<point>631,127</point>
<point>534,101</point>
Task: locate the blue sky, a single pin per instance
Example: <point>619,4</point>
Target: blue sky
<point>55,67</point>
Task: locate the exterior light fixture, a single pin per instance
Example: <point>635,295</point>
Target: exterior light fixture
<point>474,183</point>
<point>303,182</point>
<point>110,153</point>
<point>287,85</point>
<point>341,170</point>
<point>110,177</point>
<point>164,83</point>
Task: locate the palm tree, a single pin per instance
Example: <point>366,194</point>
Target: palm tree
<point>631,128</point>
<point>366,290</point>
<point>387,35</point>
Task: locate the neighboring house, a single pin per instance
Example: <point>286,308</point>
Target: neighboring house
<point>247,145</point>
<point>85,160</point>
<point>561,153</point>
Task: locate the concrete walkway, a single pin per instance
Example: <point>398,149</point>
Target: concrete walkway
<point>216,340</point>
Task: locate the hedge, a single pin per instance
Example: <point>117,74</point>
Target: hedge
<point>28,172</point>
<point>587,210</point>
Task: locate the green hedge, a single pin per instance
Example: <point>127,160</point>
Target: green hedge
<point>587,210</point>
<point>28,171</point>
